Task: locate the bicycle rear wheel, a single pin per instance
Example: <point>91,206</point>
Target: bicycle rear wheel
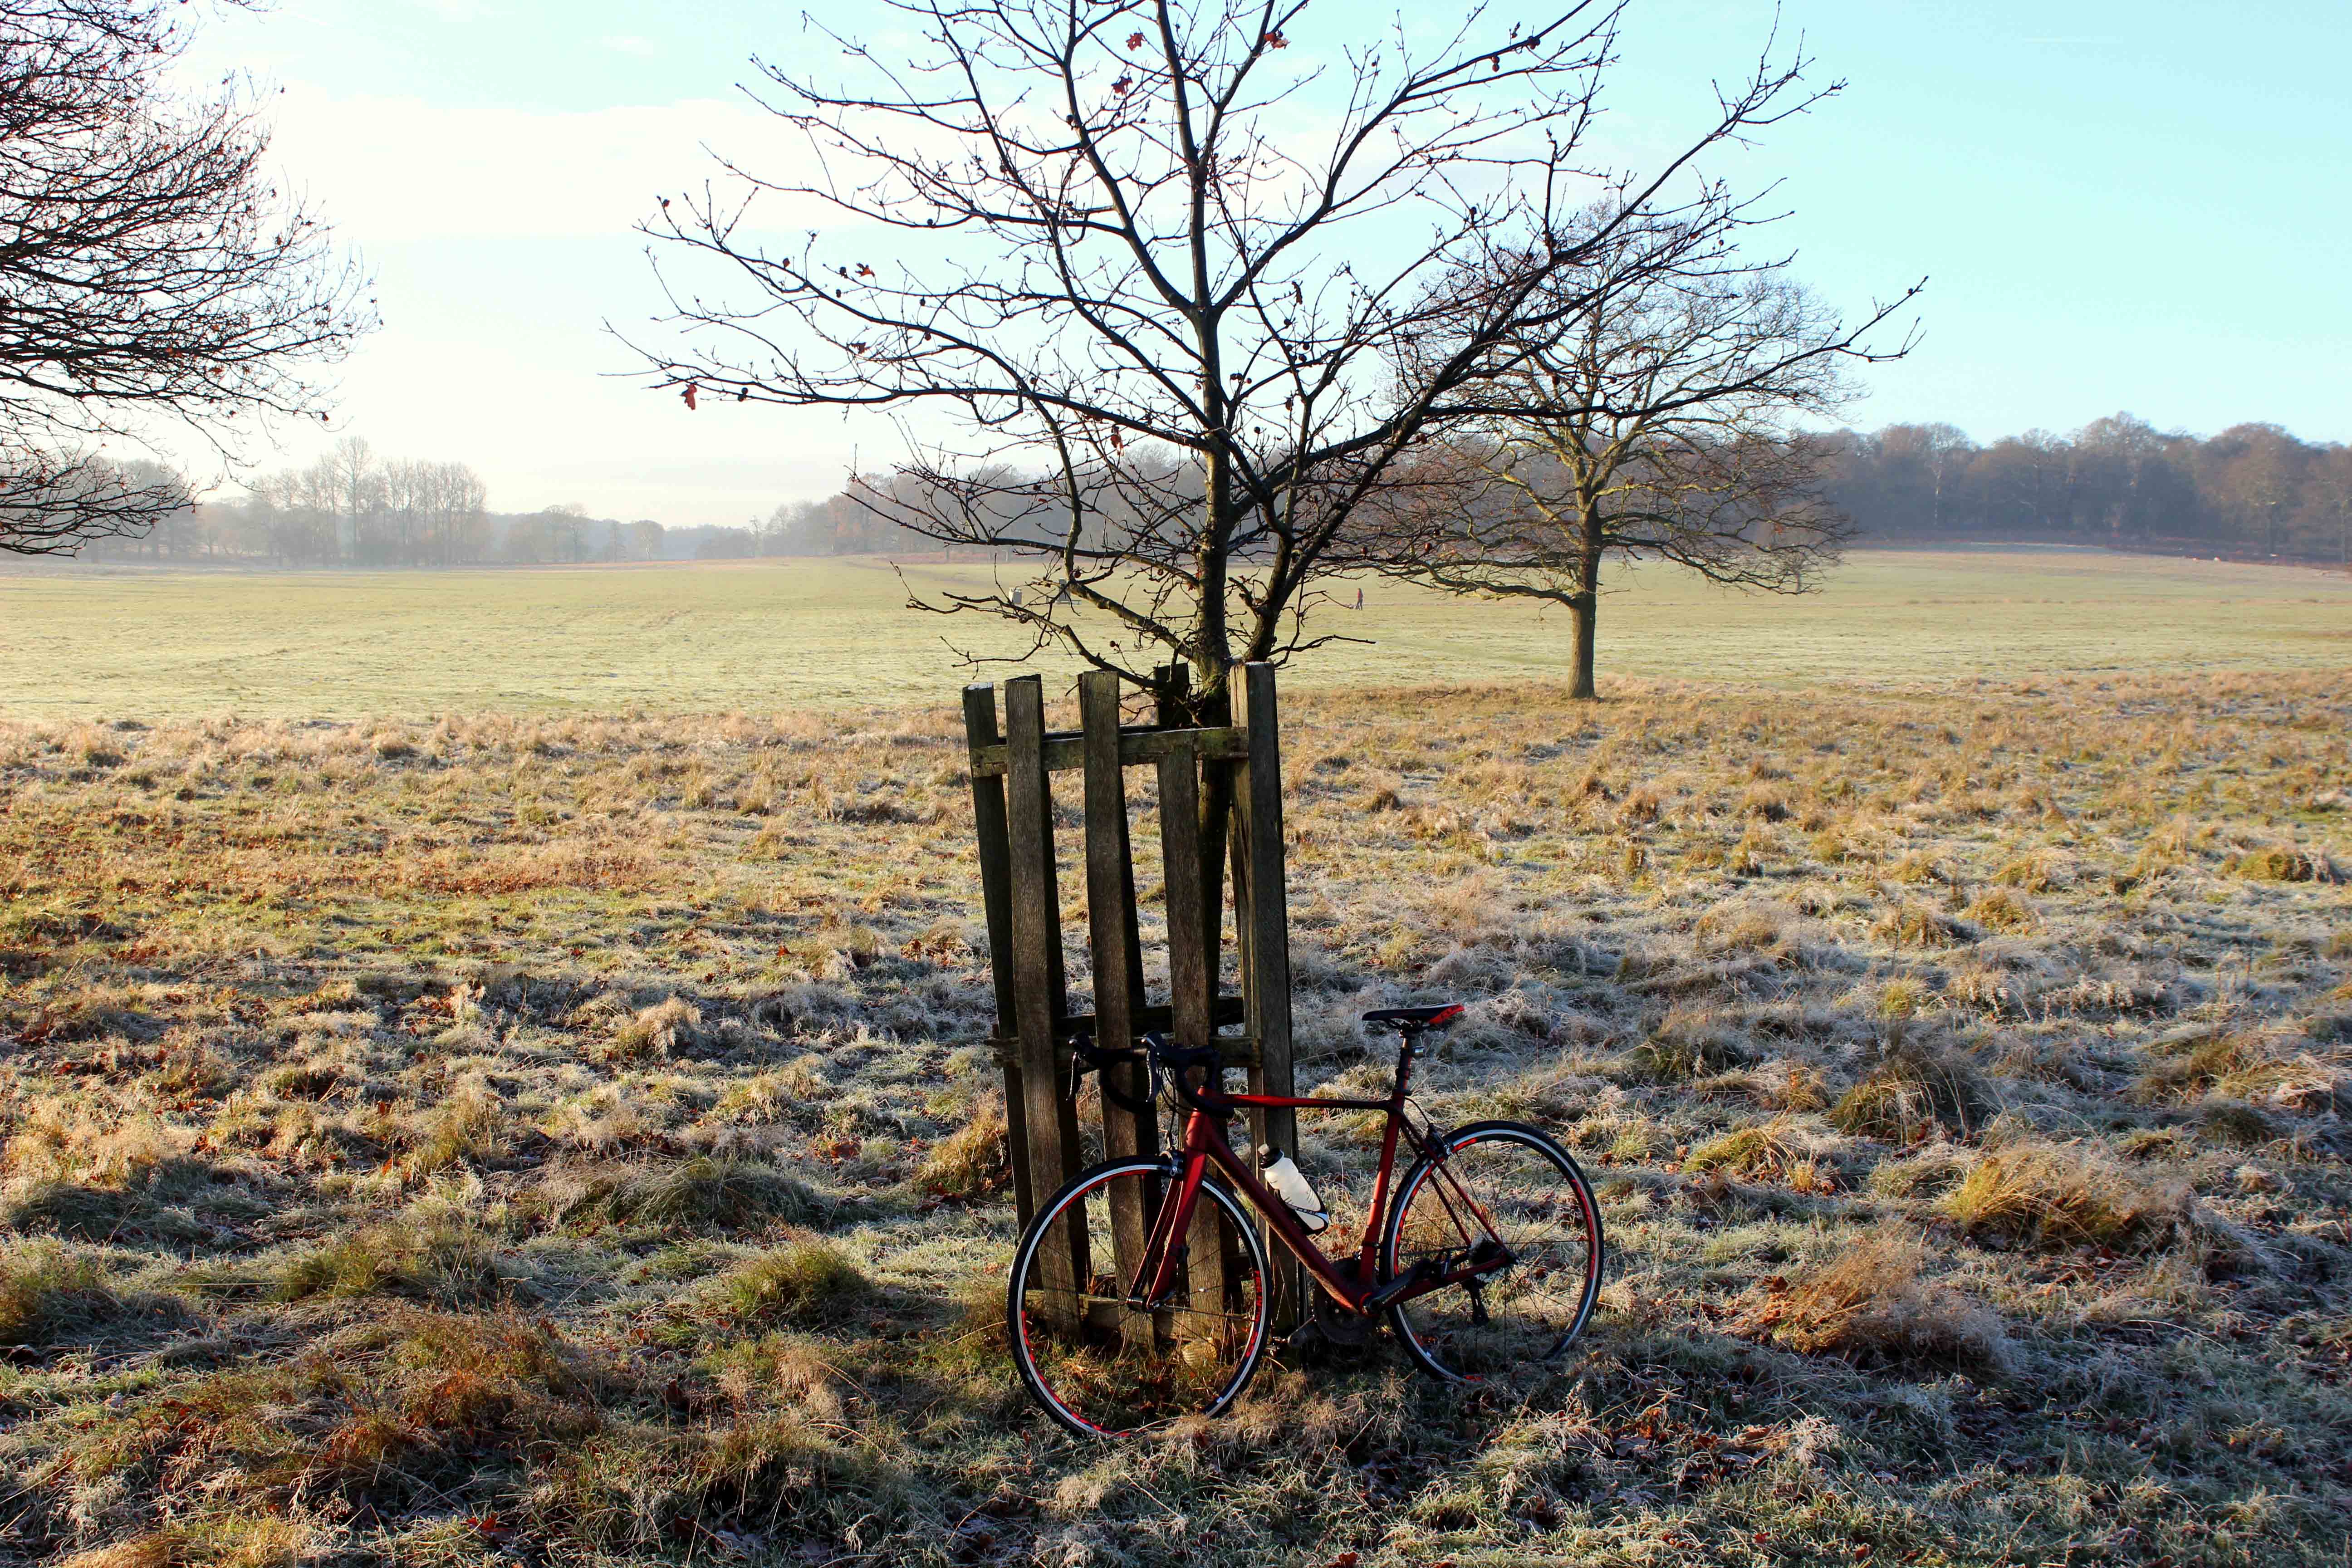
<point>1102,1362</point>
<point>1500,1182</point>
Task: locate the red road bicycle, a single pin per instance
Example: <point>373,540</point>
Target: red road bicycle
<point>1485,1260</point>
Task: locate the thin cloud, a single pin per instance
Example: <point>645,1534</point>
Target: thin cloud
<point>402,168</point>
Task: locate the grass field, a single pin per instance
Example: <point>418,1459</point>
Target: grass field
<point>562,1138</point>
<point>767,636</point>
<point>492,1076</point>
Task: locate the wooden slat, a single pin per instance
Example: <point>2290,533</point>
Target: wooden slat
<point>1231,1008</point>
<point>1238,1050</point>
<point>1190,979</point>
<point>1263,919</point>
<point>996,898</point>
<point>1119,966</point>
<point>1064,752</point>
<point>1188,975</point>
<point>1052,1122</point>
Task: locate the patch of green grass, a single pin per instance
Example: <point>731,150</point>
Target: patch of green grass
<point>807,1280</point>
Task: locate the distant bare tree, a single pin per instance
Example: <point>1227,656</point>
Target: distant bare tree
<point>646,539</point>
<point>148,271</point>
<point>460,512</point>
<point>1656,428</point>
<point>409,486</point>
<point>565,525</point>
<point>347,506</point>
<point>1163,262</point>
<point>2331,500</point>
<point>354,484</point>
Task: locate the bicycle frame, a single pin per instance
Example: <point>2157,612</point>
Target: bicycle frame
<point>1205,1144</point>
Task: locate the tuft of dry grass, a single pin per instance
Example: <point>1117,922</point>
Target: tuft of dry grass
<point>656,1031</point>
<point>439,1260</point>
<point>1777,1151</point>
<point>1916,925</point>
<point>2001,910</point>
<point>2280,863</point>
<point>704,1191</point>
<point>2058,1196</point>
<point>469,1125</point>
<point>1910,1090</point>
<point>969,1164</point>
<point>49,1293</point>
<point>213,1543</point>
<point>1869,1306</point>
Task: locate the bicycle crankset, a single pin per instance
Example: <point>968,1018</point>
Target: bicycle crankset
<point>1339,1325</point>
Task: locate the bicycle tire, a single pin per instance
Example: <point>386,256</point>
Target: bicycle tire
<point>1430,1341</point>
<point>1026,1334</point>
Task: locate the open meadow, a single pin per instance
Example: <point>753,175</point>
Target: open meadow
<point>496,1077</point>
<point>760,636</point>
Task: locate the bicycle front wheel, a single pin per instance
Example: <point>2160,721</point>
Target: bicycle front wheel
<point>1100,1357</point>
<point>1503,1184</point>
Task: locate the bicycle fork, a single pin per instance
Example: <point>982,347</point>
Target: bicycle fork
<point>1174,1221</point>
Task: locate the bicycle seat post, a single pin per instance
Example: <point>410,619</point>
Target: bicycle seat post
<point>1408,1046</point>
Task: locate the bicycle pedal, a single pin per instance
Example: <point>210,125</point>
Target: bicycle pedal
<point>1309,1341</point>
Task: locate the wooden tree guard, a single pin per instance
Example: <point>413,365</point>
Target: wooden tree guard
<point>1012,808</point>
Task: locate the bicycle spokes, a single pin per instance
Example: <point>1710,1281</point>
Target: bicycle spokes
<point>1110,1354</point>
<point>1507,1222</point>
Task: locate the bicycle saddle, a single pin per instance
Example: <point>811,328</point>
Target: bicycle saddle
<point>1415,1017</point>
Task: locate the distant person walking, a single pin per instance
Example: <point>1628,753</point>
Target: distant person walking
<point>1360,599</point>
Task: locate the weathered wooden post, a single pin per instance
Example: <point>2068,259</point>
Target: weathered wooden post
<point>1117,961</point>
<point>995,852</point>
<point>1040,997</point>
<point>1262,927</point>
<point>1013,811</point>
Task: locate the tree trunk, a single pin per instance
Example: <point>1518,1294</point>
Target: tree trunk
<point>1584,606</point>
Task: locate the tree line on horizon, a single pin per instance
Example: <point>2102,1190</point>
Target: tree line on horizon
<point>2252,489</point>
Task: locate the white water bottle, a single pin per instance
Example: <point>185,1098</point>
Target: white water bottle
<point>1290,1184</point>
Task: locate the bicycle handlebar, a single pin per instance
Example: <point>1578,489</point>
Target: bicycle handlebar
<point>1161,1056</point>
<point>1178,1060</point>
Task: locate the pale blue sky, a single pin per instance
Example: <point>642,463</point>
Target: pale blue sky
<point>2118,206</point>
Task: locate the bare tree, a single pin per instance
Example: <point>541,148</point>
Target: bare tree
<point>565,530</point>
<point>2331,497</point>
<point>1159,263</point>
<point>1655,428</point>
<point>151,275</point>
<point>354,487</point>
<point>460,511</point>
<point>409,486</point>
